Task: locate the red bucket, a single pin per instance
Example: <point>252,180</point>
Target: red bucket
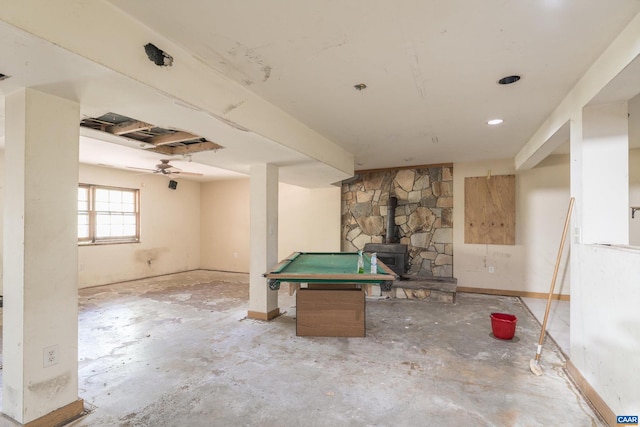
<point>503,325</point>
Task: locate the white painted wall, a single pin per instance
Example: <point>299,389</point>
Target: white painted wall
<point>308,220</point>
<point>224,225</point>
<point>634,196</point>
<point>542,199</point>
<point>605,332</point>
<point>605,175</point>
<point>634,169</point>
<point>543,196</point>
<point>169,235</point>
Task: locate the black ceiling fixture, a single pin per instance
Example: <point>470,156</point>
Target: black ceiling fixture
<point>158,56</point>
<point>3,77</point>
<point>509,80</point>
<point>360,86</point>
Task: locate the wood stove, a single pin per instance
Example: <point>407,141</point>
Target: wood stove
<point>394,255</point>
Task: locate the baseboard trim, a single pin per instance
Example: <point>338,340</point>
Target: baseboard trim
<point>60,416</point>
<point>472,290</point>
<point>592,396</point>
<point>263,316</point>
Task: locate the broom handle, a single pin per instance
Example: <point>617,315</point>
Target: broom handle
<point>553,280</point>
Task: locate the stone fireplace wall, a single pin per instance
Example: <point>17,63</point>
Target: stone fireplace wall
<point>423,217</point>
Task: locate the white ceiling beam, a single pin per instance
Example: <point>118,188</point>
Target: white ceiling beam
<point>624,49</point>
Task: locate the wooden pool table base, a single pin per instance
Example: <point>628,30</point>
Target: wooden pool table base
<point>338,312</point>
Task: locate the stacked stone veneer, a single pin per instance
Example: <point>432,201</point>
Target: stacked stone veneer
<point>423,216</point>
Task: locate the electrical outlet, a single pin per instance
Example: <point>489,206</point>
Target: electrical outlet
<point>50,356</point>
<point>492,269</point>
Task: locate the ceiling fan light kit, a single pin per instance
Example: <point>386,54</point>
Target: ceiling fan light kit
<point>164,167</point>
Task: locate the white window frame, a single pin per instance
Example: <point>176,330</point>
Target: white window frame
<point>90,223</point>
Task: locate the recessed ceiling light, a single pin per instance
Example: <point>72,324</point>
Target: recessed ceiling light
<point>509,80</point>
<point>494,122</point>
<point>360,86</point>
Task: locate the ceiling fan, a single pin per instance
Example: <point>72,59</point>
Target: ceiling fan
<point>165,168</point>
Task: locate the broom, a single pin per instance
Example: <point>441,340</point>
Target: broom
<point>534,364</point>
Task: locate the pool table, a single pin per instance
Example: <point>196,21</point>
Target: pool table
<point>333,304</point>
<point>328,268</point>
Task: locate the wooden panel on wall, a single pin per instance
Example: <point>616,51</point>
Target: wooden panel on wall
<point>490,210</point>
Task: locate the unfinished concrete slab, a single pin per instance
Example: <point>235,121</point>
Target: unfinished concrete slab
<point>179,350</point>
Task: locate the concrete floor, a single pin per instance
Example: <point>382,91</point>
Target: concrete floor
<point>178,351</point>
<point>558,321</point>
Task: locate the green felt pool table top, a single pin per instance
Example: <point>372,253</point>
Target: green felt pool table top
<point>328,267</point>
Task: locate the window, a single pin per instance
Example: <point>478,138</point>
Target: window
<point>108,214</point>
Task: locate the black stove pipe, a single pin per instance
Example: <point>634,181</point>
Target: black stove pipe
<point>391,220</point>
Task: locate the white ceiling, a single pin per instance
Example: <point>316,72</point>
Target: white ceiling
<point>431,69</point>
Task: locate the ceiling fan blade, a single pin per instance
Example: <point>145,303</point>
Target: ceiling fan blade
<point>141,169</point>
<point>187,173</point>
<point>165,168</point>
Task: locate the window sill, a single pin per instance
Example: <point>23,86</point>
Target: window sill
<point>108,242</point>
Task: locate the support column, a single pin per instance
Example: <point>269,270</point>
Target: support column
<point>600,167</point>
<point>263,302</point>
<point>40,325</point>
